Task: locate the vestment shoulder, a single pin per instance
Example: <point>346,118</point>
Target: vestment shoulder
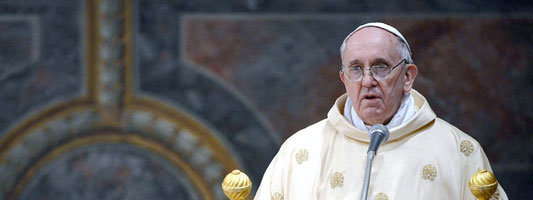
<point>471,156</point>
<point>310,133</point>
<point>458,134</point>
<point>468,151</point>
<point>311,138</point>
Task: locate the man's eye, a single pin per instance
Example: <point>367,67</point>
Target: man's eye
<point>355,68</point>
<point>381,66</point>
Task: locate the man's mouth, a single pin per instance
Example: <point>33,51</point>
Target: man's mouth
<point>370,97</point>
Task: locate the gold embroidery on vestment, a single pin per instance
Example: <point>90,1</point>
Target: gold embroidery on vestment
<point>277,196</point>
<point>301,156</point>
<point>381,196</point>
<point>336,180</point>
<point>429,172</point>
<point>466,147</point>
<point>426,126</point>
<point>495,196</point>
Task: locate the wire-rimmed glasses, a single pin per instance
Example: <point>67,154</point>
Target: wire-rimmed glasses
<point>378,72</point>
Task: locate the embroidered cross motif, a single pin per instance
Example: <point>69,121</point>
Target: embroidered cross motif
<point>336,180</point>
<point>381,196</point>
<point>277,196</point>
<point>301,156</point>
<point>466,147</point>
<point>429,172</point>
<point>495,196</point>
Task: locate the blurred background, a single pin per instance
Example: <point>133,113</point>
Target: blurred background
<point>153,99</point>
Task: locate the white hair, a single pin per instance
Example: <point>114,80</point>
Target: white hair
<point>404,52</point>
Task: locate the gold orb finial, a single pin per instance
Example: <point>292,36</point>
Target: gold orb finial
<point>483,184</point>
<point>236,185</point>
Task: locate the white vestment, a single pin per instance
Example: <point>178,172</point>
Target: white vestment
<point>424,158</point>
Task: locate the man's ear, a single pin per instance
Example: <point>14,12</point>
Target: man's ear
<point>410,75</point>
<point>342,76</point>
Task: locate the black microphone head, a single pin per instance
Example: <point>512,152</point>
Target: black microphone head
<point>379,134</point>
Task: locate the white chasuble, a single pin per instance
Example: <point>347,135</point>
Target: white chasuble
<point>424,158</point>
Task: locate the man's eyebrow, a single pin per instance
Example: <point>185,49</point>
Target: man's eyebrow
<point>380,60</point>
<point>376,60</point>
<point>353,62</point>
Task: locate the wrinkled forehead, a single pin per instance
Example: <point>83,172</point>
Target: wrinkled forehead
<point>373,35</point>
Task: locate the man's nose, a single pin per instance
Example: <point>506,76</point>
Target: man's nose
<point>368,79</point>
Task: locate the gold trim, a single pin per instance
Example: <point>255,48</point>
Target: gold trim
<point>412,133</point>
<point>128,53</point>
<point>91,39</point>
<point>110,113</point>
<point>35,121</point>
<point>145,143</point>
<point>186,122</point>
<point>495,196</point>
<point>400,138</point>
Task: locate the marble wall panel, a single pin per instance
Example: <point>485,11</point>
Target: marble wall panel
<point>109,171</point>
<point>477,75</point>
<point>348,6</point>
<point>162,74</point>
<point>19,42</point>
<point>41,56</point>
<point>288,68</point>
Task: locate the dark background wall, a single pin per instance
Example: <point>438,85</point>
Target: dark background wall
<point>160,99</point>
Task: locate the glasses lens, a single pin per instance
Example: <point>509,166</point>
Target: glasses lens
<point>354,74</point>
<point>380,72</point>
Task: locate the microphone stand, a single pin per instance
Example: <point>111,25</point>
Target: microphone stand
<point>369,158</point>
<point>378,134</point>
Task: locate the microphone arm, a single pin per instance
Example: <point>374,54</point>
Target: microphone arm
<point>369,158</point>
<point>378,135</point>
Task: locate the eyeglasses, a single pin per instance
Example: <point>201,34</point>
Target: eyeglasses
<point>379,72</point>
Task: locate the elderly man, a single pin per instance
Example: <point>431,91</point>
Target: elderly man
<point>424,158</point>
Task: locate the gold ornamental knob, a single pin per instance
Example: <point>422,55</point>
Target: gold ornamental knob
<point>236,185</point>
<point>483,184</point>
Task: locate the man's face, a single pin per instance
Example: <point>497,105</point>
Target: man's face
<point>376,102</point>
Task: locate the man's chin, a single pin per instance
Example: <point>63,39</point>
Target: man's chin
<point>371,123</point>
<point>372,118</point>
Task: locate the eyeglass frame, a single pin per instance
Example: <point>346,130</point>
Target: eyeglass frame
<point>371,73</point>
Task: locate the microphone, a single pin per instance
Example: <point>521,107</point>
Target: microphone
<point>379,134</point>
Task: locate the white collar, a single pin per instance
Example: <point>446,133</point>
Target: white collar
<point>406,111</point>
